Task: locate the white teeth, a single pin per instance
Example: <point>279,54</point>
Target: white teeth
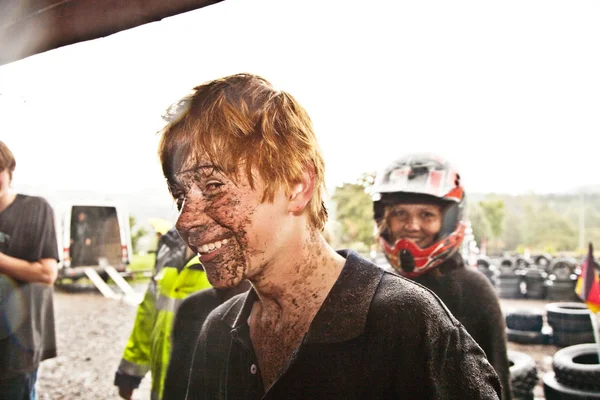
<point>208,247</point>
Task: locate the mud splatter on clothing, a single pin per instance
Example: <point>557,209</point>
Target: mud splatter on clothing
<point>376,336</point>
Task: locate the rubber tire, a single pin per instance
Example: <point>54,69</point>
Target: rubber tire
<point>483,263</point>
<point>561,268</point>
<point>561,290</point>
<point>525,320</point>
<point>508,286</point>
<point>526,337</point>
<point>557,391</point>
<point>537,260</point>
<point>577,366</point>
<point>523,375</point>
<point>535,287</point>
<point>522,263</point>
<point>565,339</point>
<point>569,317</point>
<point>507,266</point>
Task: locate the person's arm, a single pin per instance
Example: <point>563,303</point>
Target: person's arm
<point>135,362</point>
<point>458,368</point>
<point>42,271</point>
<point>495,346</point>
<point>137,354</point>
<point>45,269</point>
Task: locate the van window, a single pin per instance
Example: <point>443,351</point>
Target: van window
<point>95,234</point>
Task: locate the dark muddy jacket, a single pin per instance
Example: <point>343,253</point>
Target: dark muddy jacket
<point>188,323</point>
<point>187,326</point>
<point>376,336</point>
<point>472,300</point>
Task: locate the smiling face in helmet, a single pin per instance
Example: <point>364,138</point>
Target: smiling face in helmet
<point>418,206</point>
<point>419,223</point>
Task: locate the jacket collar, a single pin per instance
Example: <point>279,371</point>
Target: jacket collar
<point>343,314</point>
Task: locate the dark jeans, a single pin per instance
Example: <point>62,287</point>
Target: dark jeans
<point>21,387</point>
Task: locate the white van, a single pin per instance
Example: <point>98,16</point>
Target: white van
<point>92,234</point>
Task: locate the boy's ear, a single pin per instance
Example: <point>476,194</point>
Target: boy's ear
<point>302,191</point>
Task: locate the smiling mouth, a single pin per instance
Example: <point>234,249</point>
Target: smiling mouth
<point>412,239</point>
<point>212,246</point>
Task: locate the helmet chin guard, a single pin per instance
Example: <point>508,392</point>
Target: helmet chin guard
<point>409,260</point>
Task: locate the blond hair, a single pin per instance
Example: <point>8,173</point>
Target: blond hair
<point>240,122</point>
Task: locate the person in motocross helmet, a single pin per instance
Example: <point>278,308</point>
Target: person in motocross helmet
<point>419,208</point>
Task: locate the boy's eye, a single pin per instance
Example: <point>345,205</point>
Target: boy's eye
<point>179,202</point>
<point>178,196</point>
<point>213,185</point>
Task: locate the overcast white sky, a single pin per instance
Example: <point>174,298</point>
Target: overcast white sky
<point>509,91</point>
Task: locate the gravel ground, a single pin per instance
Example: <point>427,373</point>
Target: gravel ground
<point>92,332</point>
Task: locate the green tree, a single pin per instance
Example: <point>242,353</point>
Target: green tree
<point>512,236</point>
<point>547,229</point>
<point>493,210</point>
<point>479,223</point>
<point>354,214</point>
<point>137,232</point>
<point>543,222</point>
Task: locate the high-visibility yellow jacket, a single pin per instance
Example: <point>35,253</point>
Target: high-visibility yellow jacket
<point>149,345</point>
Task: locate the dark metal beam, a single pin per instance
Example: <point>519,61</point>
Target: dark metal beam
<point>30,27</point>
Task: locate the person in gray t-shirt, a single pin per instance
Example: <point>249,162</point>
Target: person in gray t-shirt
<point>28,268</point>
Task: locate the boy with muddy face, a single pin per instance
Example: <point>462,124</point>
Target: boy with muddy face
<point>244,166</point>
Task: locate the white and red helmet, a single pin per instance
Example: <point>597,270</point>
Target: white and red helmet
<point>421,178</point>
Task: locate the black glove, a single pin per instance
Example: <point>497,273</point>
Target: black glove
<point>127,381</point>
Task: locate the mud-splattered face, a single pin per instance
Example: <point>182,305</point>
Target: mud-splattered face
<point>417,222</point>
<point>225,222</point>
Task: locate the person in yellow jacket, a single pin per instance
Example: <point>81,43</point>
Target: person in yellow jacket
<point>177,274</point>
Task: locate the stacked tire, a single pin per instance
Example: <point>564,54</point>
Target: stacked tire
<point>523,375</point>
<point>542,261</point>
<point>508,282</point>
<point>485,267</point>
<point>525,327</point>
<point>535,283</point>
<point>561,280</point>
<point>575,375</point>
<point>522,263</point>
<point>570,322</point>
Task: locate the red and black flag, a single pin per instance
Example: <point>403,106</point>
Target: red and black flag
<point>588,285</point>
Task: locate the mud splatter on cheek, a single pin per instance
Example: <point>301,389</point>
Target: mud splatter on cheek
<point>229,212</point>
